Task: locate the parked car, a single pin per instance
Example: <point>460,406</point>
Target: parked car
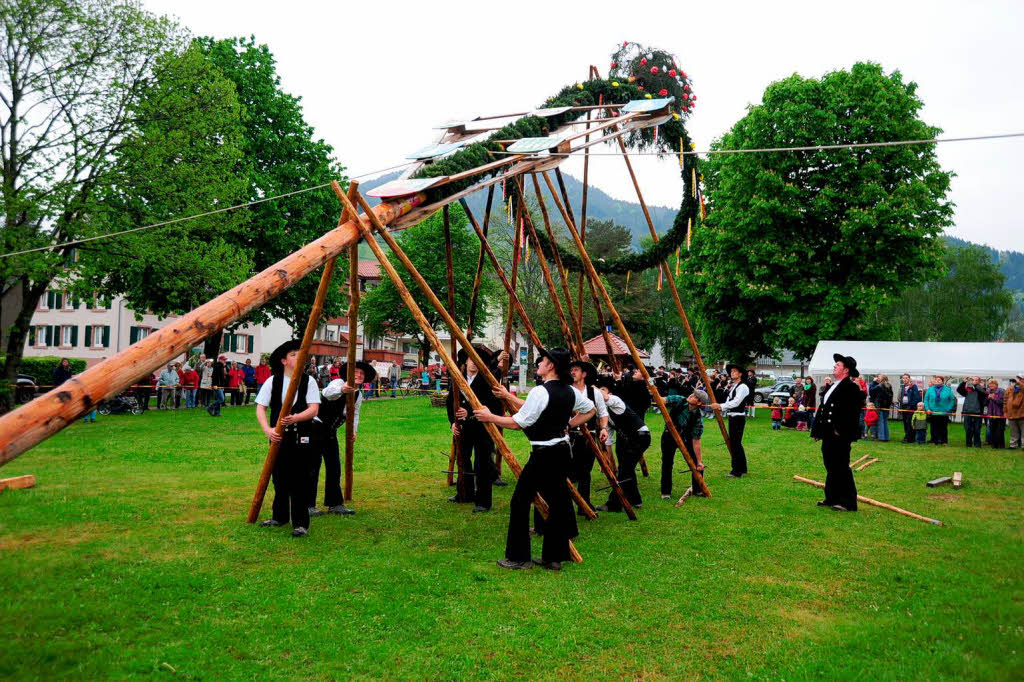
<point>765,394</point>
<point>26,389</point>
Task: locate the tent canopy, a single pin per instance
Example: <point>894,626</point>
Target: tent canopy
<point>1000,360</point>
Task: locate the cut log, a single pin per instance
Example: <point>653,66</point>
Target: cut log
<point>689,491</point>
<point>18,482</point>
<point>859,461</point>
<point>866,464</point>
<point>958,479</point>
<point>875,503</point>
<point>939,481</point>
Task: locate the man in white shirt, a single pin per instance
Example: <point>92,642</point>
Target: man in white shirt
<point>584,374</point>
<point>543,417</point>
<point>297,443</point>
<point>735,408</point>
<point>632,438</point>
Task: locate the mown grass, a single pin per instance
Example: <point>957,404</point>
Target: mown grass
<point>131,558</point>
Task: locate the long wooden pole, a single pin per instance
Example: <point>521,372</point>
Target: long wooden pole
<point>32,423</point>
<point>874,503</point>
<point>479,267</point>
<point>461,491</point>
<point>577,337</point>
<point>679,303</point>
<point>315,313</point>
<point>431,335</point>
<point>583,219</point>
<point>658,400</point>
<point>350,374</point>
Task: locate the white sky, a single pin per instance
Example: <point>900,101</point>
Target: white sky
<point>375,78</point>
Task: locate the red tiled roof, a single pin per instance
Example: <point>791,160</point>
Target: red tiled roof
<point>369,269</point>
<point>596,346</point>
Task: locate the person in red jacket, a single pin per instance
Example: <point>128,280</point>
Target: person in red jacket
<point>235,378</point>
<point>189,384</point>
<point>262,372</point>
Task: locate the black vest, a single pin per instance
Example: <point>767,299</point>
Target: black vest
<point>592,425</point>
<point>555,417</point>
<point>276,399</point>
<point>732,392</point>
<point>629,422</point>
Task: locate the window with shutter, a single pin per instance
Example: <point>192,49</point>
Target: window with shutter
<point>133,335</point>
<point>88,336</point>
<point>106,336</point>
<point>49,335</point>
<point>31,336</point>
<point>49,301</point>
<point>74,336</point>
<point>250,344</point>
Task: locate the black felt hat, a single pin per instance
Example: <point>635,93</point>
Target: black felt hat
<point>369,373</point>
<point>589,370</point>
<point>485,354</point>
<point>730,367</point>
<point>280,352</point>
<point>605,381</point>
<point>560,358</point>
<point>848,362</point>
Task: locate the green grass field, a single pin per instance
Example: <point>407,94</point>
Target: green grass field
<point>132,558</point>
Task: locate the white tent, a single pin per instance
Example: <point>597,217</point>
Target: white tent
<point>922,359</point>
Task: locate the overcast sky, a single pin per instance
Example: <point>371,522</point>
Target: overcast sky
<point>375,77</point>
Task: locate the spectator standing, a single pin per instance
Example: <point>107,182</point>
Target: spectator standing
<point>202,396</point>
<point>919,424</point>
<point>881,395</point>
<point>1013,409</point>
<point>62,372</point>
<point>776,414</point>
<point>939,402</point>
<point>910,396</point>
<point>810,400</point>
<point>219,382</point>
<point>189,385</point>
<point>262,373</point>
<point>974,394</point>
<point>996,417</point>
<point>394,374</point>
<point>143,389</point>
<point>871,421</point>
<point>205,382</point>
<point>178,389</point>
<point>166,383</point>
<point>236,382</point>
<point>248,379</point>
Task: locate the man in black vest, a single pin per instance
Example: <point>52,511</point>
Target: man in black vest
<point>297,448</point>
<point>735,407</point>
<point>543,417</point>
<point>584,376</point>
<point>632,438</point>
<point>476,449</point>
<point>333,415</point>
<point>837,426</point>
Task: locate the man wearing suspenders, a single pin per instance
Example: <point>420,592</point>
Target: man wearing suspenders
<point>584,374</point>
<point>473,437</point>
<point>543,417</point>
<point>292,468</point>
<point>632,438</point>
<point>735,407</point>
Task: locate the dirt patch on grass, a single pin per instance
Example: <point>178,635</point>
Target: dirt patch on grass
<point>62,537</point>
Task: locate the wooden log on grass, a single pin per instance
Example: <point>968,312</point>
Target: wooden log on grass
<point>874,503</point>
<point>866,464</point>
<point>689,491</point>
<point>51,412</point>
<point>18,482</point>
<point>859,460</point>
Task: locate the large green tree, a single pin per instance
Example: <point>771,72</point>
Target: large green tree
<point>71,72</point>
<point>383,311</point>
<point>968,302</point>
<point>184,157</point>
<point>801,246</point>
<point>284,155</point>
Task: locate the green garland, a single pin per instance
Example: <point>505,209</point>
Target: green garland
<point>671,135</point>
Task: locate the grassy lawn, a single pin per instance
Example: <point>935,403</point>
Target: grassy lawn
<point>131,558</point>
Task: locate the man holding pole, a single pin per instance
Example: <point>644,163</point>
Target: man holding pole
<point>735,406</point>
<point>472,436</point>
<point>297,441</point>
<point>584,375</point>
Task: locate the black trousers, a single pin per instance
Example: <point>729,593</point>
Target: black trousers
<point>291,475</point>
<point>940,428</point>
<point>583,458</point>
<point>330,454</point>
<point>628,449</point>
<point>545,473</point>
<point>668,459</point>
<point>477,452</point>
<point>839,485</point>
<point>739,455</point>
<point>142,395</point>
<point>998,428</point>
<point>908,428</point>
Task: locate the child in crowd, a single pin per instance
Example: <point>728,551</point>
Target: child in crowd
<point>789,415</point>
<point>871,422</point>
<point>919,423</point>
<point>776,414</point>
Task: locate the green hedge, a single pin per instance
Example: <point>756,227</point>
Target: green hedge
<point>42,367</point>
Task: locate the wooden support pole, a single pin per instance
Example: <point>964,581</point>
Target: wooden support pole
<point>583,217</point>
<point>479,267</point>
<point>421,320</point>
<point>18,482</point>
<point>548,280</point>
<point>679,303</point>
<point>315,313</point>
<point>875,503</point>
<point>576,335</point>
<point>32,423</point>
<point>461,491</point>
<point>658,400</point>
<point>604,461</point>
<point>350,375</point>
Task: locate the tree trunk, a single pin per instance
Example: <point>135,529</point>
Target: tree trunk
<point>211,347</point>
<point>18,333</point>
<point>424,350</point>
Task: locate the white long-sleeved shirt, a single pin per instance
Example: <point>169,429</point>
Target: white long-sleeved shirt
<point>737,398</point>
<point>617,406</point>
<point>536,401</point>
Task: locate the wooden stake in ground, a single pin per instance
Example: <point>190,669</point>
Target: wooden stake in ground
<point>17,482</point>
<point>875,503</point>
<point>428,331</point>
<point>659,401</point>
<point>350,374</point>
<point>689,491</point>
<point>293,385</point>
<point>32,423</point>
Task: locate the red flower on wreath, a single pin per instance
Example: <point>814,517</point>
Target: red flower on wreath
<point>643,60</point>
<point>654,69</point>
<point>672,73</point>
<point>663,92</point>
<point>686,87</point>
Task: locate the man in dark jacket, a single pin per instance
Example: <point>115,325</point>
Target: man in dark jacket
<point>476,449</point>
<point>837,426</point>
<point>910,396</point>
<point>633,390</point>
<point>975,396</point>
